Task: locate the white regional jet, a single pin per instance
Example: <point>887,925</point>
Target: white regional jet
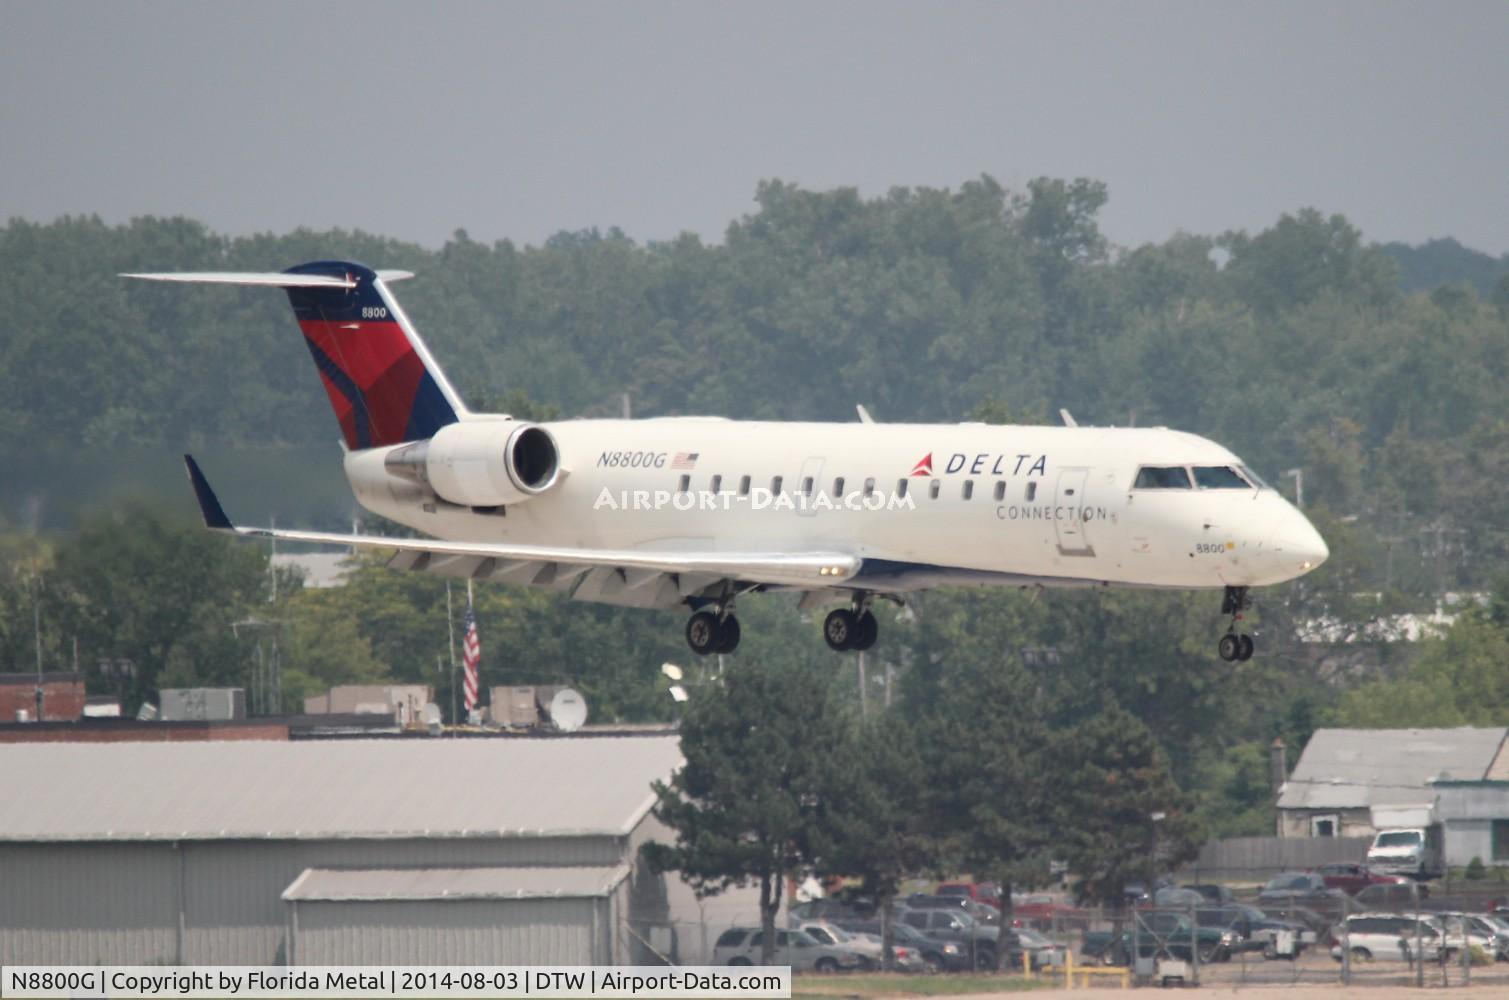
<point>700,511</point>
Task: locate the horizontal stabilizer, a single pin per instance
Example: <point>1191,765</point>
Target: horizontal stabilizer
<point>273,279</point>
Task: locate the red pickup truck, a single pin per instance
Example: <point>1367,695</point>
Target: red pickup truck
<point>983,892</point>
<point>1352,878</point>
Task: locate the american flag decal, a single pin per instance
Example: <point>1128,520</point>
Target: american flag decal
<point>684,460</point>
<point>471,659</point>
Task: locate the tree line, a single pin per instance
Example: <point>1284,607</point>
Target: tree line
<point>1297,345</point>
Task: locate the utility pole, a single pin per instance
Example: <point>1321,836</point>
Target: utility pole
<point>450,627</point>
<point>864,696</point>
<point>36,621</point>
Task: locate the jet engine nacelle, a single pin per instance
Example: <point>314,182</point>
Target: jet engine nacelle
<point>481,463</point>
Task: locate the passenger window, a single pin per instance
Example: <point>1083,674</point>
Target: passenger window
<point>684,485</point>
<point>1161,477</point>
<point>869,487</point>
<point>901,486</point>
<point>744,486</point>
<point>969,488</point>
<point>807,485</point>
<point>1001,489</point>
<point>775,485</point>
<point>1031,492</point>
<point>838,488</point>
<point>1219,477</point>
<point>716,485</point>
<point>932,490</point>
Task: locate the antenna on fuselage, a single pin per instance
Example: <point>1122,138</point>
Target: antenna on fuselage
<point>1068,418</point>
<point>864,414</point>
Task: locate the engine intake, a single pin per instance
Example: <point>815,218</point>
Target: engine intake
<point>482,463</point>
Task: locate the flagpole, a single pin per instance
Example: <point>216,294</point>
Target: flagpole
<point>476,670</point>
<point>450,625</point>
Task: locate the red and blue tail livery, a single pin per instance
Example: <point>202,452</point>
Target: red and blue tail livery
<point>376,374</point>
<point>382,382</point>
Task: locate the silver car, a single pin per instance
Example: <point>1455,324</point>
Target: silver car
<point>798,949</point>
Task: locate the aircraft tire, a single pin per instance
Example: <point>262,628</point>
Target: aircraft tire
<point>867,630</point>
<point>1229,647</point>
<point>840,629</point>
<point>728,635</point>
<point>1244,648</point>
<point>703,633</point>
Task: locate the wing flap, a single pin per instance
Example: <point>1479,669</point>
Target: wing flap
<point>557,566</point>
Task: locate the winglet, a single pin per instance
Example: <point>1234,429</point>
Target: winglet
<point>209,504</point>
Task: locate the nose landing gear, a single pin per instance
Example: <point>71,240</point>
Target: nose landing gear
<point>1235,647</point>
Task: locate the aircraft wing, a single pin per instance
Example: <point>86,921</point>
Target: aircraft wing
<point>637,577</point>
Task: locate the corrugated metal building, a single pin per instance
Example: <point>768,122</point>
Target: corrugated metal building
<point>1343,773</point>
<point>243,853</point>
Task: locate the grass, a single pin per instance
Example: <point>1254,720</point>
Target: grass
<point>879,985</point>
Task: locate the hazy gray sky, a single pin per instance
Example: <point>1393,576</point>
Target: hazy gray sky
<point>517,120</point>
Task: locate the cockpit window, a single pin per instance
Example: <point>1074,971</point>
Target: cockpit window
<point>1253,477</point>
<point>1219,477</point>
<point>1161,477</point>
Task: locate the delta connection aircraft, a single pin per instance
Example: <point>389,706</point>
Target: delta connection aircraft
<point>698,512</point>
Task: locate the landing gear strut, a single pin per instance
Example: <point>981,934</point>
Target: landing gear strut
<point>1235,646</point>
<point>855,629</point>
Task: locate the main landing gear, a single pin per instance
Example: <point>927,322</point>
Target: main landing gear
<point>1235,647</point>
<point>853,629</point>
<point>714,630</point>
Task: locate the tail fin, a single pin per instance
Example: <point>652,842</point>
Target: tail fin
<point>383,384</point>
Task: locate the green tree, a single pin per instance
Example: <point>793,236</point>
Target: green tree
<point>875,823</point>
<point>747,804</point>
<point>1110,782</point>
<point>136,585</point>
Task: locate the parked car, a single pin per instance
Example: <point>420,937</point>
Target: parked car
<point>866,946</point>
<point>1174,898</point>
<point>981,892</point>
<point>937,954</point>
<point>1303,889</point>
<point>1159,935</point>
<point>1317,923</point>
<point>741,946</point>
<point>1041,950</point>
<point>1392,897</point>
<point>1501,925</point>
<point>1481,932</point>
<point>1372,936</point>
<point>1256,930</point>
<point>1353,878</point>
<point>1046,911</point>
<point>980,940</point>
<point>830,910</point>
<point>1381,937</point>
<point>1211,891</point>
<point>923,901</point>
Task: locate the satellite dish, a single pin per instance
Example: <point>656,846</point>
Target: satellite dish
<point>568,710</point>
<point>671,671</point>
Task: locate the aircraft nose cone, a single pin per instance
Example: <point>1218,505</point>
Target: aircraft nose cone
<point>1305,547</point>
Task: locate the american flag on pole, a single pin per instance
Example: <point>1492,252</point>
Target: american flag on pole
<point>471,658</point>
